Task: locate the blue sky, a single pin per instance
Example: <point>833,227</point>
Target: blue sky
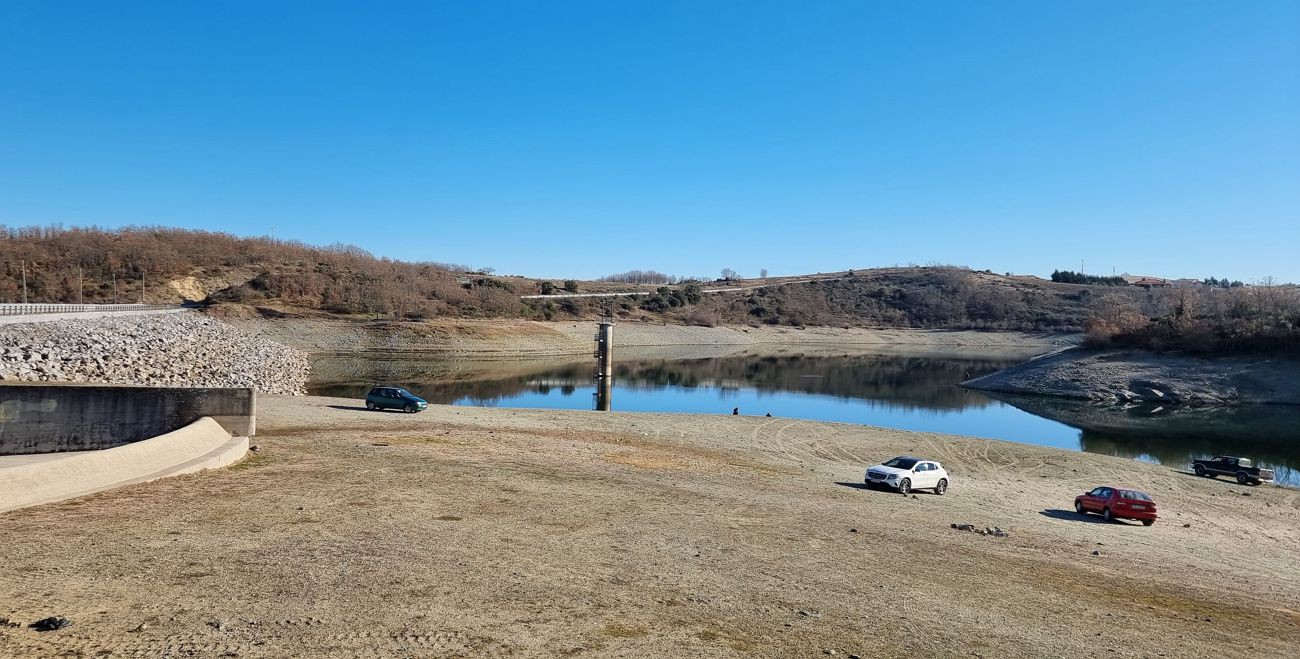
<point>581,138</point>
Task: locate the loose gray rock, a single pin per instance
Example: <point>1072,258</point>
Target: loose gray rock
<point>171,350</point>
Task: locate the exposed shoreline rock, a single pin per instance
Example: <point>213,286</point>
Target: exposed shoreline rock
<point>179,350</point>
<point>1135,376</point>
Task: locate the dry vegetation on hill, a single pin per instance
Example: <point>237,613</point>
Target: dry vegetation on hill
<point>97,265</point>
<point>1207,320</point>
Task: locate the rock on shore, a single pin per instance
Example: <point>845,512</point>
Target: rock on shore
<point>1135,376</point>
<point>181,349</point>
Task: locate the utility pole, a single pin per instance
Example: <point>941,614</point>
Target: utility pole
<point>114,288</point>
<point>81,287</point>
<point>142,287</point>
<point>24,282</point>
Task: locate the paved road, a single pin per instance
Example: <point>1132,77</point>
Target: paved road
<point>710,291</point>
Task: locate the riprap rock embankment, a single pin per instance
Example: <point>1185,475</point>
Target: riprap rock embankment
<point>181,349</point>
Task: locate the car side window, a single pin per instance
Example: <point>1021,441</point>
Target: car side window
<point>1096,492</point>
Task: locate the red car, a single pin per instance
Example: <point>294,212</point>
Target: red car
<point>1117,503</point>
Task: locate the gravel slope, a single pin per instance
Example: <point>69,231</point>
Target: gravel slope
<point>498,532</point>
<point>184,349</point>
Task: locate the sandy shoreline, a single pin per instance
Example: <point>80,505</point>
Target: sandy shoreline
<point>495,532</point>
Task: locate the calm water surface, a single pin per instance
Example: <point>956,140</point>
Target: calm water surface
<point>906,392</point>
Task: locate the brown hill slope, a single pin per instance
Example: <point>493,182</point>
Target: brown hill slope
<point>174,265</point>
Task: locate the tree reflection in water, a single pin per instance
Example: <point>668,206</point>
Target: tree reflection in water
<point>922,382</point>
<point>1174,436</point>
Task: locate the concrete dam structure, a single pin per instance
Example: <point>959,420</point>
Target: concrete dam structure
<point>51,418</point>
<point>64,441</point>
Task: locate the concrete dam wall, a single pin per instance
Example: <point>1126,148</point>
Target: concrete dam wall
<point>54,418</point>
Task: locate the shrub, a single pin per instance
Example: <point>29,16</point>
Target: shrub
<point>704,318</point>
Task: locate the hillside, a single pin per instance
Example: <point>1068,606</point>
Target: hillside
<point>177,265</point>
<point>274,277</point>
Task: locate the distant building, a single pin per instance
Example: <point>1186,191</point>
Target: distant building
<point>1149,282</point>
<point>1187,283</point>
<point>1145,281</point>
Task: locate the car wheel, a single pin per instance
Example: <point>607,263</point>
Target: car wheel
<point>941,487</point>
<point>409,408</point>
<point>1200,470</point>
<point>370,405</point>
<point>1105,514</point>
<point>1242,478</point>
<point>1148,522</point>
<point>905,486</point>
<point>1078,508</point>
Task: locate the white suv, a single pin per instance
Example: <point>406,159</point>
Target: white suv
<point>906,473</point>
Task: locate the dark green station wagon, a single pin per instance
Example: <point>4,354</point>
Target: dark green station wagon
<point>396,398</point>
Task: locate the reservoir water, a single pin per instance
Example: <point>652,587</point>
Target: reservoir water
<point>896,391</point>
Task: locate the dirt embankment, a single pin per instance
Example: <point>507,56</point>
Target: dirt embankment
<point>496,532</point>
<point>1129,376</point>
<point>487,339</point>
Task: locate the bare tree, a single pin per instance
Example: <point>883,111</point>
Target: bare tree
<point>762,273</point>
<point>729,274</point>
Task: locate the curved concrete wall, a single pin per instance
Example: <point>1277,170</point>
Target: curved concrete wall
<point>45,418</point>
<point>203,444</point>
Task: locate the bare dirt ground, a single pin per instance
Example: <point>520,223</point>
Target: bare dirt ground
<point>496,532</point>
<point>509,339</point>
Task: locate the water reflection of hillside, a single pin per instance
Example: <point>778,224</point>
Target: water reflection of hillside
<point>914,382</point>
<point>1269,434</point>
<point>923,382</point>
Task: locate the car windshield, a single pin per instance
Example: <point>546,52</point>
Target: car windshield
<point>901,463</point>
<point>1244,462</point>
<point>1135,495</point>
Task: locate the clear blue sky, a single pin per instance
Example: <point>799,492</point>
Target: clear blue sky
<point>581,138</point>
